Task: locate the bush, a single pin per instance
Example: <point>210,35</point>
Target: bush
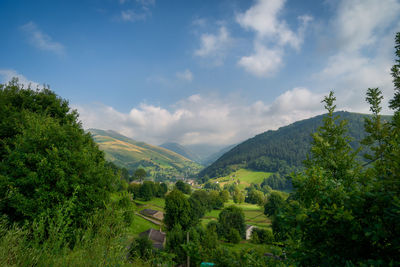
<point>233,236</point>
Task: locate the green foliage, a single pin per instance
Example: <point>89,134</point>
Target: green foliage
<point>140,174</point>
<point>238,196</point>
<point>233,236</point>
<point>183,187</point>
<point>224,194</point>
<point>274,204</point>
<point>46,159</point>
<point>141,247</point>
<point>255,197</point>
<point>341,214</point>
<point>262,236</point>
<point>177,210</point>
<point>395,102</point>
<point>231,217</point>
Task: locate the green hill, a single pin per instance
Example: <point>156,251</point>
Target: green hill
<point>159,162</point>
<point>282,150</point>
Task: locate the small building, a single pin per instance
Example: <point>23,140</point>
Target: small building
<point>157,237</point>
<point>156,214</point>
<point>249,230</point>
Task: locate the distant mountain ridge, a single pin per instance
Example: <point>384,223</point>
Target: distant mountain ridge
<point>181,150</point>
<point>283,148</point>
<point>159,162</point>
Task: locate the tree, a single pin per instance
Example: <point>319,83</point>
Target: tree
<point>232,217</point>
<point>177,210</point>
<point>274,204</point>
<point>238,196</point>
<point>183,187</point>
<point>224,194</point>
<point>46,158</point>
<point>140,174</point>
<point>255,197</point>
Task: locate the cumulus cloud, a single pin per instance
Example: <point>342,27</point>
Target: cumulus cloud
<point>6,75</point>
<point>185,75</point>
<point>41,40</point>
<point>272,36</point>
<point>264,62</point>
<point>214,45</point>
<point>364,36</point>
<point>204,119</point>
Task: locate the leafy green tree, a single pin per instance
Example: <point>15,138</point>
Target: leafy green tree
<point>177,210</point>
<point>232,217</point>
<point>238,196</point>
<point>224,194</point>
<point>255,197</point>
<point>233,236</point>
<point>140,174</point>
<point>274,204</point>
<point>146,191</point>
<point>183,187</point>
<point>46,158</point>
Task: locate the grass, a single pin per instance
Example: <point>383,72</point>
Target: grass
<point>246,177</point>
<point>253,214</point>
<point>140,225</point>
<point>155,204</point>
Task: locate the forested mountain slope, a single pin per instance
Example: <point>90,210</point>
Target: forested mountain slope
<point>285,148</point>
<point>157,161</point>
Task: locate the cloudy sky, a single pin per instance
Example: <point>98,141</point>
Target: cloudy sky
<point>201,71</point>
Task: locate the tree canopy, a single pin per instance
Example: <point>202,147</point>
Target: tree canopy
<point>46,158</point>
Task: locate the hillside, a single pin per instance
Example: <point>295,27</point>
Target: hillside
<point>283,149</point>
<point>181,150</point>
<point>159,162</point>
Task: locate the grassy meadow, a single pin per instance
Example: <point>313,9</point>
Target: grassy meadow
<point>244,176</point>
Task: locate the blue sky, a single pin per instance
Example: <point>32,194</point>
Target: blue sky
<point>214,72</point>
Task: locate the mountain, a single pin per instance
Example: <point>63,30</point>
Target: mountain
<point>181,150</point>
<point>213,157</point>
<point>159,162</point>
<point>281,150</point>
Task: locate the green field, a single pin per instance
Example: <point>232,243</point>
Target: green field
<point>245,177</point>
<point>253,214</point>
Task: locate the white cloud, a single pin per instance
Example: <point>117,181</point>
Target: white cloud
<point>7,74</point>
<point>41,40</point>
<point>264,62</point>
<point>363,32</point>
<point>204,119</point>
<point>185,75</point>
<point>214,45</point>
<point>359,22</point>
<point>264,19</point>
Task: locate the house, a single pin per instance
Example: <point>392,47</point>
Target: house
<point>249,230</point>
<point>156,214</point>
<point>158,238</point>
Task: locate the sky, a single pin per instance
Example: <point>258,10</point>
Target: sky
<point>200,71</point>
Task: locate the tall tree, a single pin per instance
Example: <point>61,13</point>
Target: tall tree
<point>177,210</point>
